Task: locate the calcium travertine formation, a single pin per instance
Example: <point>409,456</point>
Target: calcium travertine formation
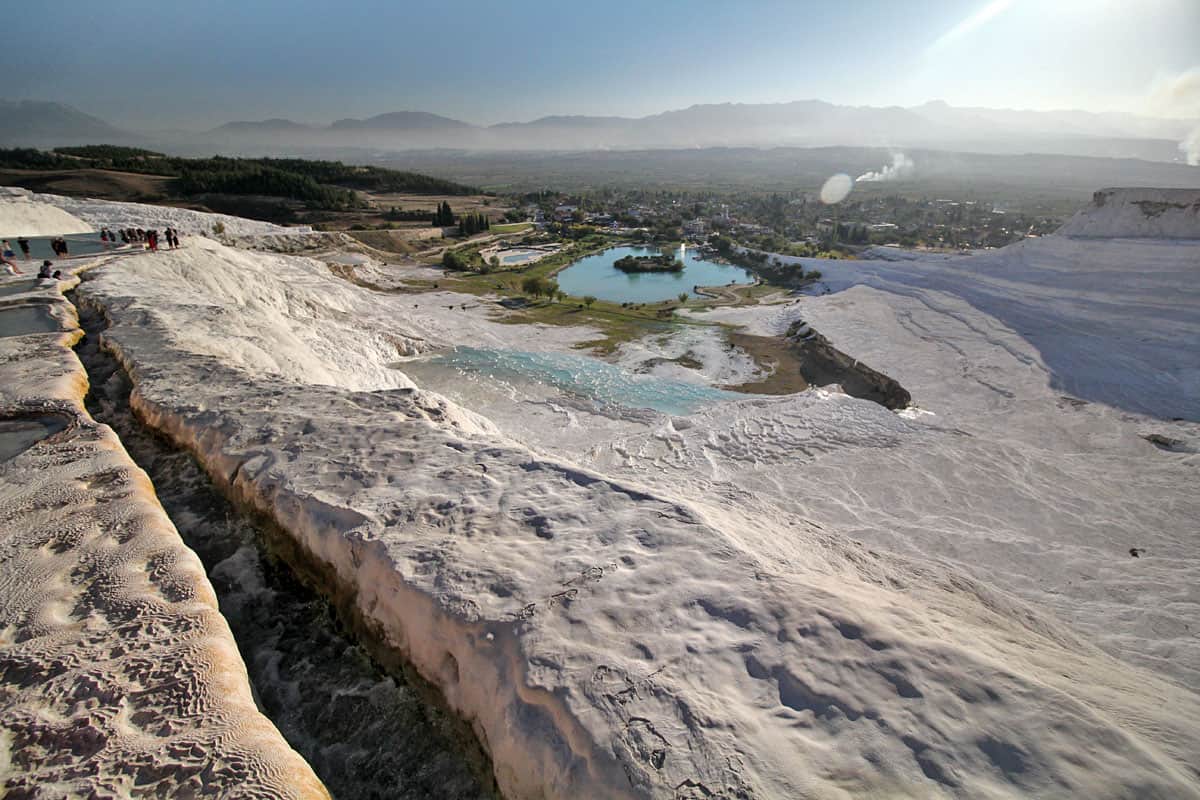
<point>605,636</point>
<point>118,675</point>
<point>663,615</point>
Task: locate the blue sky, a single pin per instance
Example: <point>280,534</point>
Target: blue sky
<point>195,64</point>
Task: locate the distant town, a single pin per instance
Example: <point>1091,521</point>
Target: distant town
<point>796,223</point>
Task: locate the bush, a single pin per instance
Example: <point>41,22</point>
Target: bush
<point>452,259</point>
<point>588,300</point>
<point>534,286</point>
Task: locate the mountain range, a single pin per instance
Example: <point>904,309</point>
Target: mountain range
<point>806,123</point>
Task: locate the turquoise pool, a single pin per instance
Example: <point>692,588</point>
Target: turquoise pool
<point>514,256</point>
<point>595,275</point>
<point>602,382</point>
<point>78,244</point>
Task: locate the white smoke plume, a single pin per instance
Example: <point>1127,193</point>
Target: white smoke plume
<point>901,167</point>
<point>1180,96</point>
<point>1191,147</point>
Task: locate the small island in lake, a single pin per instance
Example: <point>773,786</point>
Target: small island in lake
<point>658,263</point>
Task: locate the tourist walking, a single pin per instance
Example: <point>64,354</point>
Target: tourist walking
<point>23,243</point>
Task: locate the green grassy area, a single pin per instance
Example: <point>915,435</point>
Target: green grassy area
<point>507,280</point>
<point>511,227</point>
<point>617,323</point>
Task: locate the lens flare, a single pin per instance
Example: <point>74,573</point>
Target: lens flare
<point>836,188</point>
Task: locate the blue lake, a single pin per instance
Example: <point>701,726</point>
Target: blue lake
<point>595,275</point>
<point>605,383</point>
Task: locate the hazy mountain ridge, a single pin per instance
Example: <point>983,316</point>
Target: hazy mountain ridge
<point>400,121</point>
<point>272,125</point>
<point>26,122</point>
<point>803,123</point>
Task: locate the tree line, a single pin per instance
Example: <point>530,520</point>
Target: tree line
<point>468,224</point>
<point>318,184</point>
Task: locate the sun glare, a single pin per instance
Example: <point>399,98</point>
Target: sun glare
<point>971,23</point>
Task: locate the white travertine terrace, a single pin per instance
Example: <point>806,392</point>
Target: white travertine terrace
<point>118,675</point>
<point>806,596</point>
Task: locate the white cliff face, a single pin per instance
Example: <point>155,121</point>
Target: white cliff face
<point>118,675</point>
<point>802,596</point>
<point>1139,213</point>
<point>54,212</point>
<point>21,215</point>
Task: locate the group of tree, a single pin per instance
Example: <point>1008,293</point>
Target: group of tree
<point>237,176</point>
<point>537,286</point>
<point>109,152</point>
<point>471,224</point>
<point>443,217</point>
<point>453,259</point>
<point>319,184</point>
<point>395,214</point>
<point>369,179</point>
<point>852,233</point>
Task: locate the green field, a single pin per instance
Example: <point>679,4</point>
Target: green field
<point>511,227</point>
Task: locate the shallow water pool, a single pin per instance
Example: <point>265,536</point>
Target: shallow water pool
<point>78,244</point>
<point>18,434</point>
<point>515,256</point>
<point>18,287</point>
<point>602,382</point>
<point>24,320</point>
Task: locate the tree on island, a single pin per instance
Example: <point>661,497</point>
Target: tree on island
<point>657,263</point>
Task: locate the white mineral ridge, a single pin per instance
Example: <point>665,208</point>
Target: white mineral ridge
<point>798,597</point>
<point>1112,321</point>
<point>118,675</point>
<point>21,215</point>
<point>106,213</point>
<point>1139,213</point>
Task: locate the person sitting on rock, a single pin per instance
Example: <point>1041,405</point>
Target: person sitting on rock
<point>9,258</point>
<point>44,272</point>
